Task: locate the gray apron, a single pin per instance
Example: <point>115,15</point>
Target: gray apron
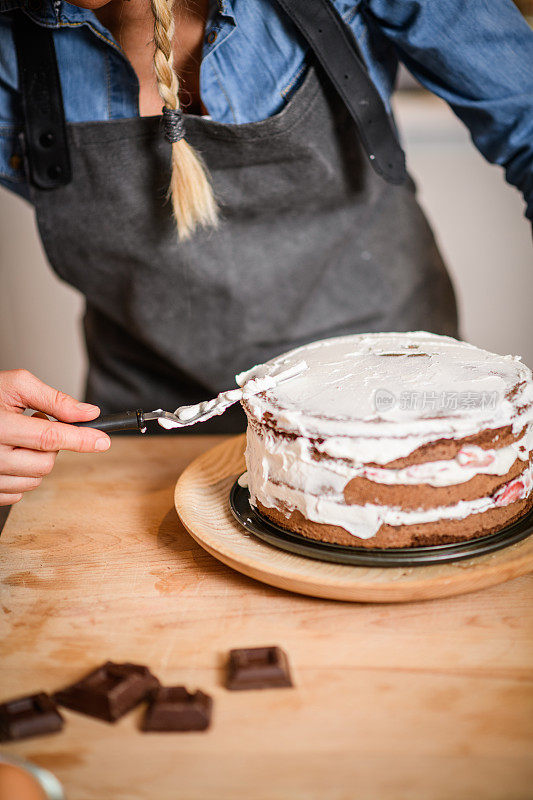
<point>312,244</point>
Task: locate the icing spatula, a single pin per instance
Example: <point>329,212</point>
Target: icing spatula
<point>251,382</point>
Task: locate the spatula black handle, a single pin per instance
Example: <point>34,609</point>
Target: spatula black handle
<point>122,421</point>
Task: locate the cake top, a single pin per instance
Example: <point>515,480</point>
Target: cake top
<point>394,384</point>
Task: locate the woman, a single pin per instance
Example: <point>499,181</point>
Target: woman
<point>290,219</point>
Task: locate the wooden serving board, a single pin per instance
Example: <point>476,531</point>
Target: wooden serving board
<point>202,502</point>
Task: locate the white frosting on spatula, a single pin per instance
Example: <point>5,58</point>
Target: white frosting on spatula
<point>258,379</point>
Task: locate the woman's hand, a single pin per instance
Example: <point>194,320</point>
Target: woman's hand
<point>29,445</point>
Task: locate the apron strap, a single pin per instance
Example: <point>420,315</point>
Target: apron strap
<point>335,47</point>
<point>45,141</point>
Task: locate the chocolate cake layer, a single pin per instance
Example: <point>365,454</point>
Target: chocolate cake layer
<point>418,535</point>
<point>442,449</point>
<point>362,490</point>
<point>439,450</point>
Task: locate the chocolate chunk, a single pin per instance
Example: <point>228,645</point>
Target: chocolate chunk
<point>258,668</point>
<point>173,708</point>
<point>33,715</point>
<point>109,691</point>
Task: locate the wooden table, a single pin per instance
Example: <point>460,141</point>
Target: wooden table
<point>423,700</point>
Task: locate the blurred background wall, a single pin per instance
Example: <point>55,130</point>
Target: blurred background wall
<point>478,220</point>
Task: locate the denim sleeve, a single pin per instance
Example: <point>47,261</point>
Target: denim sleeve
<point>478,56</point>
<point>11,171</point>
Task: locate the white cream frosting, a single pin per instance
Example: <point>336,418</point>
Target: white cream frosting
<point>251,382</point>
<point>364,521</point>
<point>469,462</point>
<point>335,396</point>
<point>282,474</point>
<point>333,401</point>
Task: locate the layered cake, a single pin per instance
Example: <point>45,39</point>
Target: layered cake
<point>391,440</point>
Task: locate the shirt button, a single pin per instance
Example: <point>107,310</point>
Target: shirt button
<point>15,162</point>
<point>212,37</point>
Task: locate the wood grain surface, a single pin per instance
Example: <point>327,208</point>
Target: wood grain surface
<point>424,701</point>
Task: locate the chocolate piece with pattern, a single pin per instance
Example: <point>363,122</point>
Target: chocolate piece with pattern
<point>173,708</point>
<point>109,691</point>
<point>33,715</point>
<point>258,668</point>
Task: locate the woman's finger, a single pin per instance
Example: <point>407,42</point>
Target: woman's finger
<point>21,389</point>
<point>9,499</point>
<point>14,485</point>
<point>39,434</point>
<point>20,461</point>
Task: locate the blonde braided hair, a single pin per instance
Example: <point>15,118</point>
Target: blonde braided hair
<point>193,202</point>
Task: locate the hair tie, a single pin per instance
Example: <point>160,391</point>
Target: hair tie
<point>173,124</point>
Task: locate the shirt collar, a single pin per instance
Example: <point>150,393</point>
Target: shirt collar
<point>51,13</point>
<point>45,12</point>
<point>225,8</point>
<point>57,14</point>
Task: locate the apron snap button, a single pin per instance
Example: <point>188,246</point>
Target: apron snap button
<point>55,171</point>
<point>47,139</point>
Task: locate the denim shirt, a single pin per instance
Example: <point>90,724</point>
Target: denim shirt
<point>478,56</point>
